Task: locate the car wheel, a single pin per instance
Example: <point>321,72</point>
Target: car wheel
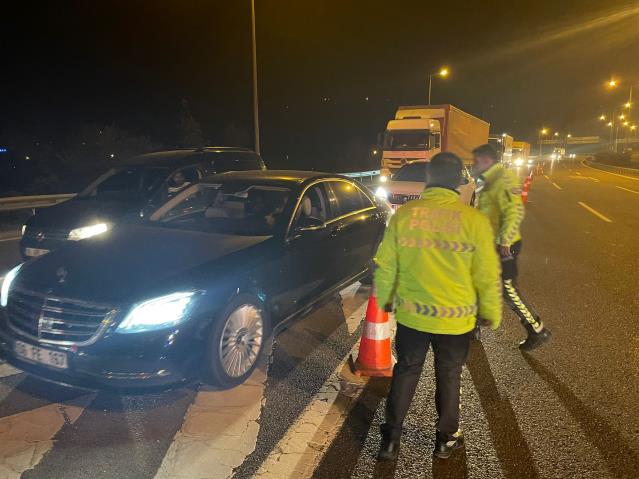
<point>236,342</point>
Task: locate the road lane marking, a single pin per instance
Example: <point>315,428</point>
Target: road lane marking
<point>305,442</point>
<point>594,212</point>
<point>608,172</point>
<point>627,189</point>
<point>546,176</point>
<point>219,430</point>
<point>578,173</point>
<point>7,370</point>
<point>27,436</point>
<point>10,239</point>
<point>556,185</point>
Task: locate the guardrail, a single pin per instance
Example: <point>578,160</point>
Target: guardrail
<point>16,203</point>
<point>613,169</point>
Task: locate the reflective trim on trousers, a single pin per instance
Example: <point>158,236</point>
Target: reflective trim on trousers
<point>520,307</point>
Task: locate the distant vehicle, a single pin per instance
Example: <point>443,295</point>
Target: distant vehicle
<point>196,288</point>
<point>521,153</point>
<point>503,144</point>
<point>419,132</point>
<point>127,192</point>
<point>408,184</point>
<point>558,153</point>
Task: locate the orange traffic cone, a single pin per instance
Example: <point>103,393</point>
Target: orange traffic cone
<point>375,357</point>
<point>524,191</point>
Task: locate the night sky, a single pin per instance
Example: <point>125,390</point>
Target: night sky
<point>331,72</point>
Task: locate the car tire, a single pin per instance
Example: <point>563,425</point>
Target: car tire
<point>236,342</point>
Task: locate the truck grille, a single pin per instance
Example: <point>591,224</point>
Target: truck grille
<point>56,320</point>
<point>41,234</point>
<point>400,199</point>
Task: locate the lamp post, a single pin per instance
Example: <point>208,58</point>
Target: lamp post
<point>443,72</point>
<point>256,119</point>
<point>542,132</point>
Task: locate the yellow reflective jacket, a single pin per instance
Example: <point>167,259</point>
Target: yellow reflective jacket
<point>438,264</point>
<point>500,200</point>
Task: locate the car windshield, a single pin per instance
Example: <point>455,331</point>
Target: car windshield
<point>126,183</point>
<point>412,172</point>
<point>234,207</point>
<point>407,140</point>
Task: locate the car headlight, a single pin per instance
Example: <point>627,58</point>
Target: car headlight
<point>157,313</point>
<point>24,228</point>
<point>6,285</point>
<point>530,162</point>
<point>383,178</point>
<point>88,231</point>
<point>519,162</point>
<point>381,193</point>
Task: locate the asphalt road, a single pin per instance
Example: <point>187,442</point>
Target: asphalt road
<point>567,410</point>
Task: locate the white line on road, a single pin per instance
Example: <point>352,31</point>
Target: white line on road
<point>306,441</point>
<point>594,212</point>
<point>7,370</point>
<point>556,185</point>
<point>16,238</point>
<point>604,171</point>
<point>627,189</point>
<point>578,173</point>
<point>26,437</point>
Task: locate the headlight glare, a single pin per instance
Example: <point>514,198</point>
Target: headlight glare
<point>88,231</point>
<point>6,285</point>
<point>157,313</point>
<point>381,193</point>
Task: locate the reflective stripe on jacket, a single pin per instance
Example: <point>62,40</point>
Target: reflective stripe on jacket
<point>438,264</point>
<point>500,200</point>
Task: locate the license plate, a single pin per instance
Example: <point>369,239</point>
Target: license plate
<point>36,354</point>
<point>35,251</point>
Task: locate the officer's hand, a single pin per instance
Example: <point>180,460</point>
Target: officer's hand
<point>485,323</point>
<point>504,251</point>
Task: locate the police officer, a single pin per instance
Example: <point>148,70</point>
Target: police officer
<point>437,264</point>
<point>500,199</point>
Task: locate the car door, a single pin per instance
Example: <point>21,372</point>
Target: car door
<point>355,227</point>
<point>308,249</point>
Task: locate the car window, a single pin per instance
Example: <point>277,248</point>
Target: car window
<point>125,183</point>
<point>182,179</point>
<point>232,207</point>
<point>345,198</point>
<point>312,206</point>
<point>236,162</point>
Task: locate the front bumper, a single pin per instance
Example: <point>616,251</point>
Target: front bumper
<point>117,361</point>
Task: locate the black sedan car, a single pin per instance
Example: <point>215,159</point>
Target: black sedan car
<point>195,288</point>
<point>127,191</point>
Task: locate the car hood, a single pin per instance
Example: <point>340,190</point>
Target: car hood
<point>405,187</point>
<point>128,262</point>
<point>78,212</point>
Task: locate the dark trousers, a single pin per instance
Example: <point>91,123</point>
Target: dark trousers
<point>450,355</point>
<point>527,315</point>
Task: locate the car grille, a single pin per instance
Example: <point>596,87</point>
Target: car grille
<point>41,234</point>
<point>56,320</point>
<point>400,199</point>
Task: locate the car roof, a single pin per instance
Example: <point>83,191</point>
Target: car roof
<point>270,176</point>
<point>181,157</point>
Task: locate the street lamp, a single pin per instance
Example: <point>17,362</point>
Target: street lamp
<point>602,118</point>
<point>542,132</point>
<point>443,73</point>
<point>612,83</point>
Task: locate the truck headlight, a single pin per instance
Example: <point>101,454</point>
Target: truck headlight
<point>88,231</point>
<point>157,313</point>
<point>381,193</point>
<point>6,285</point>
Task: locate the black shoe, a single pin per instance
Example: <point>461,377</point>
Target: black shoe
<point>534,340</point>
<point>445,445</point>
<point>389,448</point>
